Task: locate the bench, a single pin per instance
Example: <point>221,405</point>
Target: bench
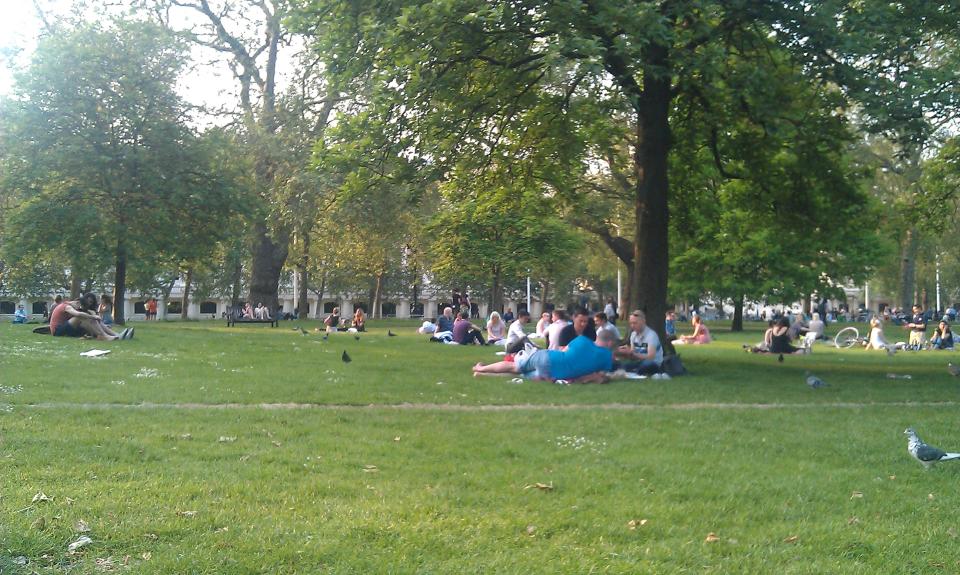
<point>235,317</point>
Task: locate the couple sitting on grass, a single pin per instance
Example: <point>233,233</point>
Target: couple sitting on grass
<point>583,361</point>
<point>79,318</point>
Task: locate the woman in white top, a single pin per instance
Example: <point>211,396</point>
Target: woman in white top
<point>543,324</point>
<point>816,326</point>
<point>877,341</point>
<point>496,329</point>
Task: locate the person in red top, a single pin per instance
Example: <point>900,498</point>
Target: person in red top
<point>77,318</point>
<point>151,309</point>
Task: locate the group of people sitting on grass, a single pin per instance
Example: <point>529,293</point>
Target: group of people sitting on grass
<point>79,318</point>
<point>333,322</point>
<point>942,337</point>
<point>584,350</point>
<point>781,333</point>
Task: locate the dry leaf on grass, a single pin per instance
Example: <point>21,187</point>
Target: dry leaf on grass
<point>81,527</point>
<point>79,543</point>
<point>856,495</point>
<point>40,497</point>
<point>792,539</point>
<point>151,536</point>
<point>20,560</point>
<point>397,438</point>
<point>853,521</point>
<point>146,555</point>
<point>222,529</point>
<point>711,538</point>
<point>186,513</point>
<point>952,533</point>
<point>531,530</point>
<point>370,469</point>
<point>540,486</point>
<point>39,523</point>
<point>634,523</point>
<point>226,439</point>
<point>186,436</point>
<point>104,563</point>
<point>930,496</point>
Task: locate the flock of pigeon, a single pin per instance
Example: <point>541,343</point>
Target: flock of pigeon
<point>345,357</point>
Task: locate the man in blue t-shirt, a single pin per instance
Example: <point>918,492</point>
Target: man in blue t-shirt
<point>582,360</point>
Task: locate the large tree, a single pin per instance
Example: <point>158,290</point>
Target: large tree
<point>95,140</point>
<point>466,81</point>
<point>279,117</point>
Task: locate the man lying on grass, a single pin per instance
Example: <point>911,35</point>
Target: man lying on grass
<point>583,362</point>
<point>77,319</point>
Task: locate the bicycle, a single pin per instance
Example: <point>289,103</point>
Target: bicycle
<point>848,337</point>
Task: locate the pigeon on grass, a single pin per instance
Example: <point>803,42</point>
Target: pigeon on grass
<point>815,382</point>
<point>356,337</point>
<point>391,334</point>
<point>780,358</point>
<point>926,454</point>
<point>953,369</point>
<point>345,357</point>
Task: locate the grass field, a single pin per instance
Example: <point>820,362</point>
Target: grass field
<point>200,449</point>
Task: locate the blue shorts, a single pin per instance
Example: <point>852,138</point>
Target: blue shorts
<point>66,329</point>
<point>535,365</point>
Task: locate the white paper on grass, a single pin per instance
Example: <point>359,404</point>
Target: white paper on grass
<point>95,352</point>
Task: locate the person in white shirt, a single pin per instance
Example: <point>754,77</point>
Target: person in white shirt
<point>602,322</point>
<point>496,329</point>
<point>644,354</point>
<point>516,335</point>
<point>816,326</point>
<point>556,326</point>
<point>543,324</point>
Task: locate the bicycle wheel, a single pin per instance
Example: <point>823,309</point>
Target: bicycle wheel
<point>846,337</point>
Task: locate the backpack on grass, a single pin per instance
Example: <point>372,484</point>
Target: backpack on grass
<point>672,366</point>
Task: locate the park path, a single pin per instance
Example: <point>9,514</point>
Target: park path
<point>488,407</point>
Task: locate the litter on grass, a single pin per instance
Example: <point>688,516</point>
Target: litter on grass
<point>95,352</point>
<point>79,543</point>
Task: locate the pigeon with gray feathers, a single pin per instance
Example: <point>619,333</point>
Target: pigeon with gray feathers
<point>926,454</point>
<point>953,369</point>
<point>345,357</point>
<point>815,382</point>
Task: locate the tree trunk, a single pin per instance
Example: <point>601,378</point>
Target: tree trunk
<point>237,278</point>
<point>496,291</point>
<point>269,255</point>
<point>120,281</point>
<point>651,249</point>
<point>543,295</point>
<point>377,310</point>
<point>74,285</point>
<point>908,268</point>
<point>185,300</point>
<point>303,304</point>
<point>737,324</point>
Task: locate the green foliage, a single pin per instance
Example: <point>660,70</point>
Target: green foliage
<point>96,147</point>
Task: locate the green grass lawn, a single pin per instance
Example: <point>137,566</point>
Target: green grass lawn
<point>200,449</point>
